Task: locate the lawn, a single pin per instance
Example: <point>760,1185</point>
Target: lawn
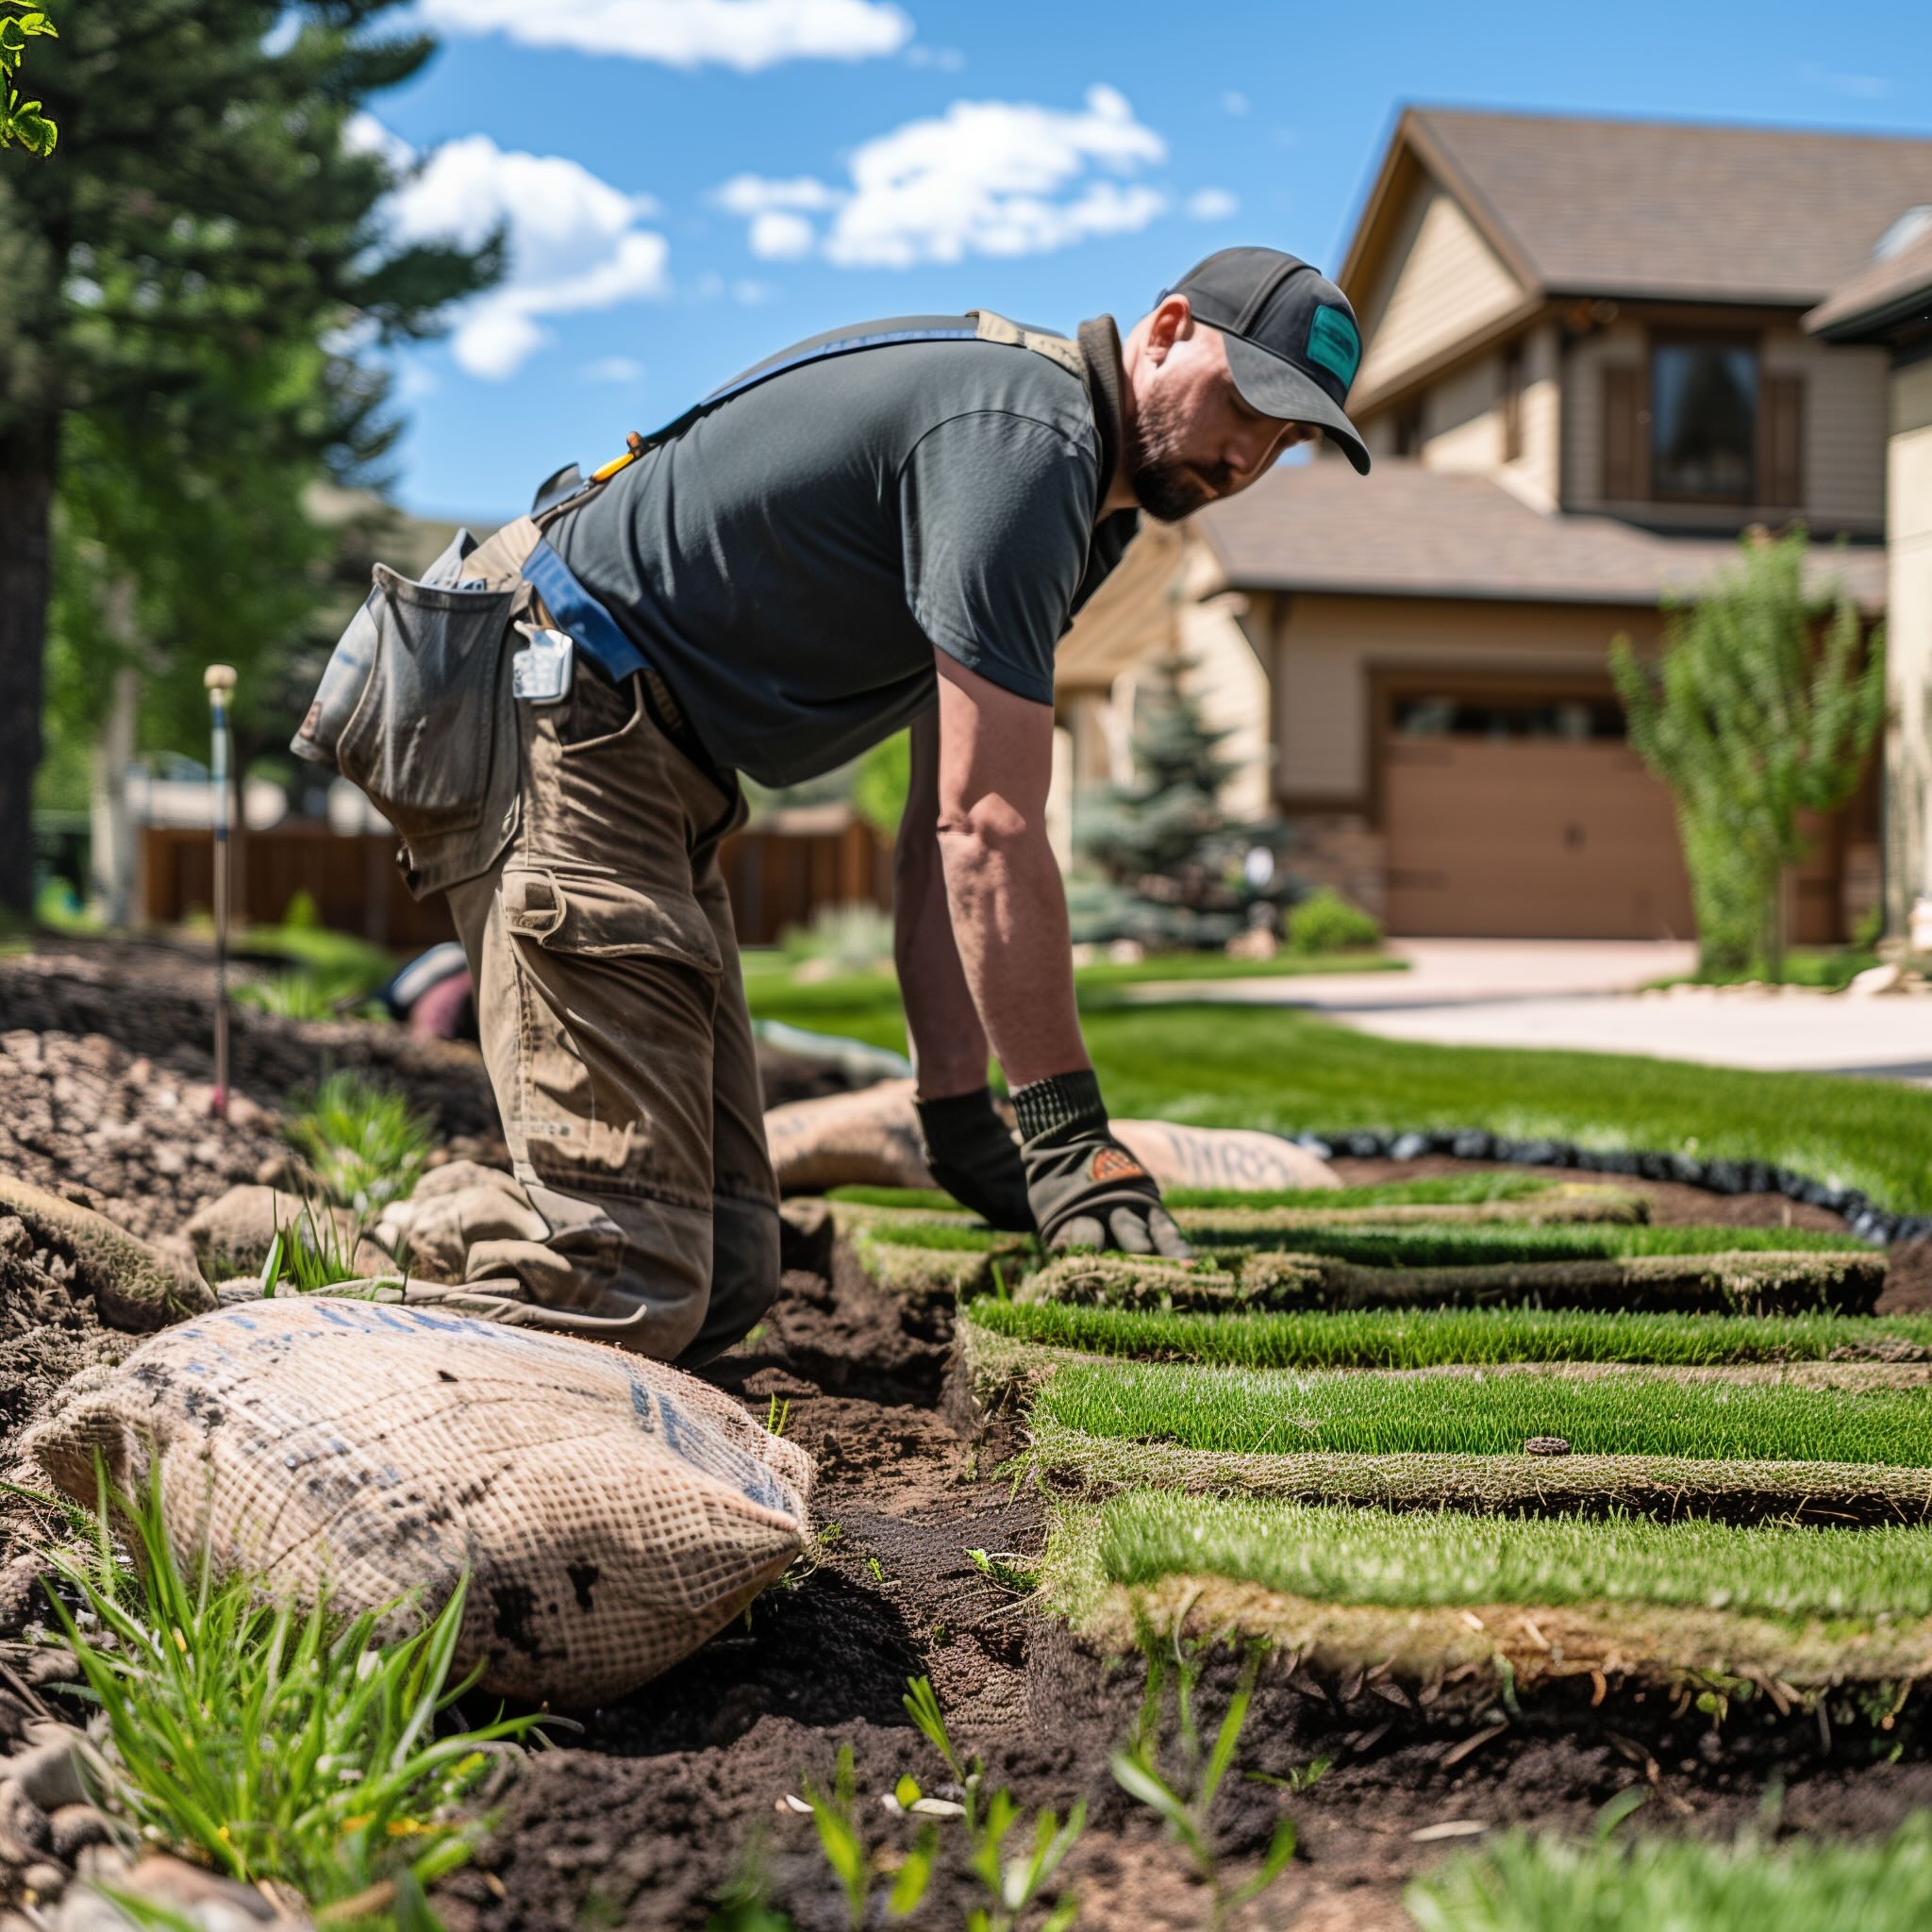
<point>1370,1412</point>
<point>1426,1557</point>
<point>1290,1072</point>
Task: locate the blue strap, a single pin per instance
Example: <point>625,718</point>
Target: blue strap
<point>573,609</point>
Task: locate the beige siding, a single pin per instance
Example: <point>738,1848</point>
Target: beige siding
<point>1231,686</point>
<point>1462,419</point>
<point>1327,647</point>
<point>1442,281</point>
<point>1535,472</point>
<point>1844,429</point>
<point>1908,639</point>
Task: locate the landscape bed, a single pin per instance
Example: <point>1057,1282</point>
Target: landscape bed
<point>1019,1602</point>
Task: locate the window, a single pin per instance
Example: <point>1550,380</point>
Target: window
<point>1512,403</point>
<point>1503,720</point>
<point>1408,431</point>
<point>1704,420</point>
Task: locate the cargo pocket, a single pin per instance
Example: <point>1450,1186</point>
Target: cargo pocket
<point>617,989</point>
<point>426,732</point>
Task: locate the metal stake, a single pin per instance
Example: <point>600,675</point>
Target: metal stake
<point>220,680</point>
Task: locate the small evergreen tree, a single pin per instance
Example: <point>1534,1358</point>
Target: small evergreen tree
<point>1162,841</point>
<point>1762,706</point>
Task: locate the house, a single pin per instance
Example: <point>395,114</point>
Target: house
<point>1585,373</point>
<point>1888,304</point>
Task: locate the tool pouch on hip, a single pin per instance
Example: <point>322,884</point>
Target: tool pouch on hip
<point>416,709</point>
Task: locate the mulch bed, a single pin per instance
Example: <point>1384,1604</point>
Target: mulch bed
<point>642,1817</point>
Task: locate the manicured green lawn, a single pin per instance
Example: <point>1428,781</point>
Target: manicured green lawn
<point>1287,1071</point>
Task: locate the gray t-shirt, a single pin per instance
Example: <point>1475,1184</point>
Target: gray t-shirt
<point>787,561</point>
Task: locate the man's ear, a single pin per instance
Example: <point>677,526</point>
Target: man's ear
<point>1172,322</point>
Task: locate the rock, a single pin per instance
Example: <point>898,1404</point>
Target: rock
<point>1876,980</point>
<point>1257,943</point>
<point>234,1231</point>
<point>206,1901</point>
<point>43,1880</point>
<point>74,1827</point>
<point>50,1770</point>
<point>1125,953</point>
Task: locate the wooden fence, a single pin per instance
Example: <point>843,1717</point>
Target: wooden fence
<point>779,871</point>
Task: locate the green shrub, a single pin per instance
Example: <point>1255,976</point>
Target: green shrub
<point>1324,922</point>
<point>301,914</point>
<point>366,1145</point>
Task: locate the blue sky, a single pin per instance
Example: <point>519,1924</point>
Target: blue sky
<point>693,183</point>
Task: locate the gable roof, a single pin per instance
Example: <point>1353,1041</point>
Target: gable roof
<point>1893,292</point>
<point>1414,532</point>
<point>1670,211</point>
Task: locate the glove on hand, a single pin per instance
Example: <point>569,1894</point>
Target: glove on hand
<point>1085,1188</point>
<point>972,1156</point>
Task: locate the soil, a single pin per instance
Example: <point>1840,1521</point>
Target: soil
<point>646,1812</point>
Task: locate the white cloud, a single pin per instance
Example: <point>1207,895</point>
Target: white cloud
<point>625,372</point>
<point>1212,205</point>
<point>777,236</point>
<point>752,293</point>
<point>944,60</point>
<point>745,34</point>
<point>1234,101</point>
<point>1854,87</point>
<point>987,178</point>
<point>574,243</point>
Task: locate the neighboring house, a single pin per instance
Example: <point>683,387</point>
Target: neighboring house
<point>1584,375</point>
<point>1888,304</point>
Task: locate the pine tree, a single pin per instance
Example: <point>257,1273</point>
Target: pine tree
<point>1162,839</point>
<point>1753,717</point>
<point>204,218</point>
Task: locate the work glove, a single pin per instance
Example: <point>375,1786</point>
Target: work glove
<point>1085,1188</point>
<point>971,1154</point>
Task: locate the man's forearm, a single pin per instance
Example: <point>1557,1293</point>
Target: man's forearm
<point>948,1042</point>
<point>1009,925</point>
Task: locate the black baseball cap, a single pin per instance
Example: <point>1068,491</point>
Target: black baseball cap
<point>1292,343</point>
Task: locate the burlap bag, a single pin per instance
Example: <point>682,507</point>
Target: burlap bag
<point>612,1512</point>
<point>872,1139</point>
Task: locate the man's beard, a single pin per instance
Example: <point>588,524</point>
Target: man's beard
<point>1166,488</point>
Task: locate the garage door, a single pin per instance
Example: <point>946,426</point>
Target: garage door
<point>1526,816</point>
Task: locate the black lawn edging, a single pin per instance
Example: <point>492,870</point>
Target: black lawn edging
<point>1862,1215</point>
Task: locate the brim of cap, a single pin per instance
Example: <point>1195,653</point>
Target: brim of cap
<point>1278,389</point>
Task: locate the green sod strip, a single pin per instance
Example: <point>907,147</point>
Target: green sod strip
<point>1436,1337</point>
<point>1444,1411</point>
<point>1450,1189</point>
<point>1429,1557</point>
<point>1524,1884</point>
<point>1451,1246</point>
<point>1750,1284</point>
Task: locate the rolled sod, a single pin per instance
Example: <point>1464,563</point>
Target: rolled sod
<point>135,1285</point>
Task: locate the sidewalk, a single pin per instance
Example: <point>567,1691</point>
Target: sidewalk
<point>1581,993</point>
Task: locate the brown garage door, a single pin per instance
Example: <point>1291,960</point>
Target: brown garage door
<point>1525,815</point>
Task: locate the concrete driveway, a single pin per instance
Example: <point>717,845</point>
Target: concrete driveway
<point>1581,993</point>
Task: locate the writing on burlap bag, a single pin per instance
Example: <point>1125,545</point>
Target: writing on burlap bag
<point>612,1512</point>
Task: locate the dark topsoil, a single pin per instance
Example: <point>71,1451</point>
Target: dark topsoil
<point>642,1816</point>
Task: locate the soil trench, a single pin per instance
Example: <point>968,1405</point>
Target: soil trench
<point>657,1805</point>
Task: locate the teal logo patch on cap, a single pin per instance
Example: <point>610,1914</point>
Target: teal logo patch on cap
<point>1333,343</point>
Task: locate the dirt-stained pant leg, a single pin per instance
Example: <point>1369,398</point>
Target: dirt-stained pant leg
<point>604,989</point>
<point>744,1199</point>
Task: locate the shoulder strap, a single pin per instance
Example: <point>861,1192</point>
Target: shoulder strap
<point>569,484</point>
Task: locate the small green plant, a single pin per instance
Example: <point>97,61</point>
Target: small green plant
<point>1013,1885</point>
<point>364,1143</point>
<point>21,122</point>
<point>1324,922</point>
<point>835,1815</point>
<point>1006,1569</point>
<point>1300,1777</point>
<point>312,1255</point>
<point>778,1416</point>
<point>304,995</point>
<point>272,1742</point>
<point>1188,1810</point>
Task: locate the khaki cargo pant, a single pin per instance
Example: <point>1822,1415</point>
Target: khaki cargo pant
<point>613,1021</point>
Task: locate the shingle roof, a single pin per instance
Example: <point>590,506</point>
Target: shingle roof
<point>1409,532</point>
<point>1885,292</point>
<point>1675,210</point>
